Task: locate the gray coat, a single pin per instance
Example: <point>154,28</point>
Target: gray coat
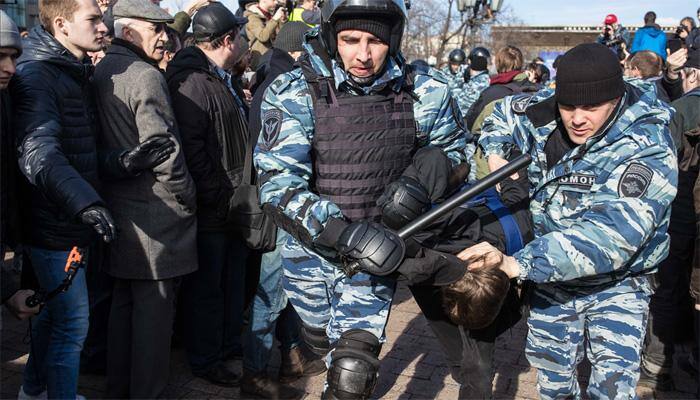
<point>154,211</point>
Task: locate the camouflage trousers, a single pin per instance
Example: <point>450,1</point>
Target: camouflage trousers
<point>607,326</point>
<point>325,298</point>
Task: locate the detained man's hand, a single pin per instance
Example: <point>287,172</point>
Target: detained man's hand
<point>484,255</point>
<point>497,162</point>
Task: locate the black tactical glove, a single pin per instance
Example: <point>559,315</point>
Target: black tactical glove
<point>369,247</point>
<point>101,220</point>
<point>403,201</point>
<point>148,154</point>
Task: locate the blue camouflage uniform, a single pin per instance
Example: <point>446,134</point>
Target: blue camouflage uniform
<point>455,82</point>
<point>466,98</point>
<point>472,90</point>
<point>324,297</point>
<point>600,218</point>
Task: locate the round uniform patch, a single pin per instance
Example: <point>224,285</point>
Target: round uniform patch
<point>271,127</point>
<point>635,180</point>
<point>519,103</point>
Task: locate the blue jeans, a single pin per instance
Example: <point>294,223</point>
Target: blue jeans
<point>213,299</point>
<point>58,332</point>
<point>270,308</point>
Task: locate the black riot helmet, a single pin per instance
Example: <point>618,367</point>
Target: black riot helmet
<point>479,58</point>
<point>457,56</point>
<point>480,52</point>
<point>392,12</point>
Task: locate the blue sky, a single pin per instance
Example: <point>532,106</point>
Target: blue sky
<point>592,12</point>
<point>571,12</point>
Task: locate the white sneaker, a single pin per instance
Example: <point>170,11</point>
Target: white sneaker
<point>41,396</point>
<point>24,396</point>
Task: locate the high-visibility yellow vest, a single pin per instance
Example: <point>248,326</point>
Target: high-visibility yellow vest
<point>296,16</point>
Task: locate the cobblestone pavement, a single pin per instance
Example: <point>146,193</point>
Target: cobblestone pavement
<point>412,365</point>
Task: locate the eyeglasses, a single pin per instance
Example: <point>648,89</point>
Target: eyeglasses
<point>157,27</point>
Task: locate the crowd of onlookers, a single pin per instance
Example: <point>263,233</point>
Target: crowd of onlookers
<point>134,158</point>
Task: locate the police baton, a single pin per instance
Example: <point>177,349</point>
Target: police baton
<point>467,194</point>
<point>448,205</point>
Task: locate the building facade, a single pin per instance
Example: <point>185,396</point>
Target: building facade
<point>25,13</point>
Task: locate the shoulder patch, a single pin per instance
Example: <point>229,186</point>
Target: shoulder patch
<point>519,103</point>
<point>271,127</point>
<point>635,180</point>
<point>284,81</point>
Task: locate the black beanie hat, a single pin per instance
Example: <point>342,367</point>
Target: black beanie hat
<point>588,74</point>
<point>380,28</point>
<point>291,36</point>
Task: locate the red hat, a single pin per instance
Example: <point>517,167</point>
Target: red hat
<point>610,19</point>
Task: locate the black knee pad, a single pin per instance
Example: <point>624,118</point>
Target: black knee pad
<point>354,366</point>
<point>315,339</point>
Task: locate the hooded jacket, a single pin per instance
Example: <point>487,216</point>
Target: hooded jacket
<point>214,133</point>
<point>652,38</point>
<point>55,124</point>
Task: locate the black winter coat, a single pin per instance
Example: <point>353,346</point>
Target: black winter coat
<point>214,134</point>
<point>272,64</point>
<point>55,125</point>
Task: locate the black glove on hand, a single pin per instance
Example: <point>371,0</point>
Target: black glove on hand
<point>148,154</point>
<point>101,220</point>
<point>403,201</point>
<point>369,247</point>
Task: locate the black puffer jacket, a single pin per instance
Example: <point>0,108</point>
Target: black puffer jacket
<point>55,124</point>
<point>214,134</point>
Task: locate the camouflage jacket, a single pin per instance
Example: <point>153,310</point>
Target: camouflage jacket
<point>602,212</point>
<point>471,91</point>
<point>284,159</point>
<point>455,82</point>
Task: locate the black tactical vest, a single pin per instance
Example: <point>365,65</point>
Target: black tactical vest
<point>360,143</point>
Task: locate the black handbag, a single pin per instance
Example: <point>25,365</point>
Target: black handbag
<point>257,229</point>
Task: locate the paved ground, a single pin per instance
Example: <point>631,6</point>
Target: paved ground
<point>412,365</point>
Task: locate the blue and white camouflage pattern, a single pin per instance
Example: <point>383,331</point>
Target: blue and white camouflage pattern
<point>322,295</point>
<point>472,90</point>
<point>456,83</point>
<point>614,320</point>
<point>600,217</point>
<point>466,98</point>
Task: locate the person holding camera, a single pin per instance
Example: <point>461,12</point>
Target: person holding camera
<point>686,26</point>
<point>614,36</point>
<point>265,18</point>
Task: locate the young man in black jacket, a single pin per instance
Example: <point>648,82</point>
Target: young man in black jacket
<point>214,130</point>
<point>55,125</point>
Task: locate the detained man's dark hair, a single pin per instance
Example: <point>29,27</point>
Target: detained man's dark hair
<point>475,300</point>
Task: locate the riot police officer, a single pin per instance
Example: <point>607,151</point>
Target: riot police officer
<point>335,132</point>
